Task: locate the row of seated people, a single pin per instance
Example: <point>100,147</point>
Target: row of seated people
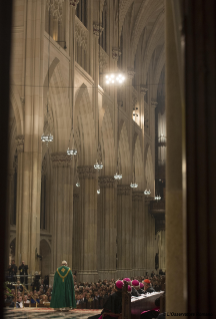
<point>41,296</point>
<point>113,305</point>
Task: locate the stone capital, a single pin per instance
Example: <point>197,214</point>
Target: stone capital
<point>73,3</point>
<point>106,181</point>
<point>116,53</point>
<point>137,196</point>
<point>86,172</point>
<point>20,143</point>
<point>143,89</point>
<point>130,73</point>
<point>61,159</point>
<point>97,29</point>
<point>123,190</point>
<point>154,103</point>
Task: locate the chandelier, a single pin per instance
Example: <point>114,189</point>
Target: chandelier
<point>47,138</point>
<point>133,185</point>
<point>118,176</point>
<point>147,192</point>
<point>71,152</point>
<point>98,166</point>
<point>157,198</point>
<point>115,78</point>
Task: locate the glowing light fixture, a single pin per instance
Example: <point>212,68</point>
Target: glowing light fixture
<point>115,78</point>
<point>133,185</point>
<point>147,192</point>
<point>118,176</point>
<point>98,166</point>
<point>98,191</point>
<point>47,138</point>
<point>71,152</point>
<point>78,184</point>
<point>157,198</point>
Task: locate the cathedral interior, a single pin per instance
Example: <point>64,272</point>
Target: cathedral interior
<point>110,130</point>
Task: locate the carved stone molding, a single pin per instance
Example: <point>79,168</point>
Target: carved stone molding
<point>143,89</point>
<point>55,8</point>
<point>137,196</point>
<point>86,172</point>
<point>103,58</point>
<point>123,190</point>
<point>106,181</point>
<point>73,3</point>
<point>60,159</point>
<point>97,29</point>
<point>131,73</point>
<point>20,143</point>
<point>81,33</point>
<point>116,53</point>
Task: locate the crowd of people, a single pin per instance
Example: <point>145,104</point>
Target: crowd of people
<point>87,295</point>
<point>88,292</point>
<point>41,295</point>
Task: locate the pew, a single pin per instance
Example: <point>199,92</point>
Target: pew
<point>143,303</point>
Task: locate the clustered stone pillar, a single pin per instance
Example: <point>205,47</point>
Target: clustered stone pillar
<point>107,228</point>
<point>124,230</point>
<point>9,213</point>
<point>137,232</point>
<point>76,213</point>
<point>149,239</point>
<point>62,219</point>
<point>175,300</point>
<point>87,225</point>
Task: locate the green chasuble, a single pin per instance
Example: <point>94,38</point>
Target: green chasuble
<point>63,289</point>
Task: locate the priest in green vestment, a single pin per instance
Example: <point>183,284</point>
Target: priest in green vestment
<point>63,296</point>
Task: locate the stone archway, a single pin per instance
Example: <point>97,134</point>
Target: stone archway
<point>45,263</point>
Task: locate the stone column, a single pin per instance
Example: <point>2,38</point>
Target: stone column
<point>8,213</point>
<point>137,232</point>
<point>107,228</point>
<point>76,213</point>
<point>87,225</point>
<point>124,230</point>
<point>62,219</point>
<point>174,216</point>
<point>10,195</point>
<point>72,43</point>
<point>20,149</point>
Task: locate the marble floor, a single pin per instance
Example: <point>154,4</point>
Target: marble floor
<point>45,313</point>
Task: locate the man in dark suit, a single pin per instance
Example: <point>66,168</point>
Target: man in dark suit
<point>23,271</point>
<point>13,270</point>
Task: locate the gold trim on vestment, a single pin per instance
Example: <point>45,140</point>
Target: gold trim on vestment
<point>63,277</point>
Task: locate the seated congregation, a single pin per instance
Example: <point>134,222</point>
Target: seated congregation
<point>107,295</point>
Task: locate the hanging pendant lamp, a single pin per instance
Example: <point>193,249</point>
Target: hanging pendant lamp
<point>116,78</point>
<point>48,138</point>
